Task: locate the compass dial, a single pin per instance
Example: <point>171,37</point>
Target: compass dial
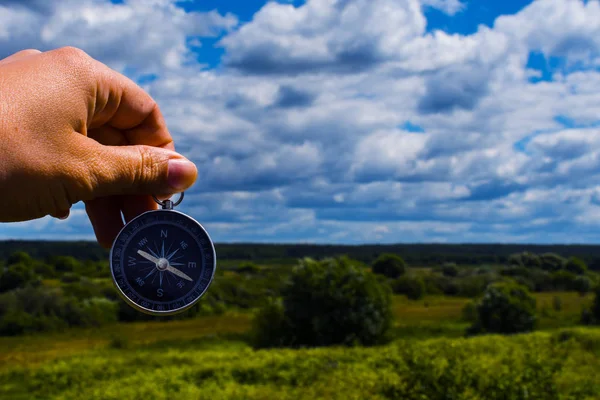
<point>162,262</point>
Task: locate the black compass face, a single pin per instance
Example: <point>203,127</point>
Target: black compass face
<point>162,262</point>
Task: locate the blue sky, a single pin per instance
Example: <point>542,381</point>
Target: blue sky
<point>356,121</point>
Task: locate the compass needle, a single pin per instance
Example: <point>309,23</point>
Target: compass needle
<point>162,261</point>
<point>180,274</point>
<point>148,256</point>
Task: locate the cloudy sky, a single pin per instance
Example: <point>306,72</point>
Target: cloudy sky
<point>353,121</point>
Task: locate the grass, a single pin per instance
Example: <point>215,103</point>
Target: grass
<point>209,358</point>
<point>541,365</point>
<point>36,349</point>
<point>434,316</point>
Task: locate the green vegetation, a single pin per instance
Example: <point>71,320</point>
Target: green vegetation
<point>68,335</point>
<point>488,367</point>
<point>389,265</point>
<point>505,307</point>
<point>412,287</point>
<point>326,303</point>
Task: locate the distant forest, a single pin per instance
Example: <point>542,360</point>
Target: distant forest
<point>413,254</point>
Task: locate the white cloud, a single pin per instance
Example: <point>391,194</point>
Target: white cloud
<point>450,7</point>
<point>302,134</point>
<point>145,36</point>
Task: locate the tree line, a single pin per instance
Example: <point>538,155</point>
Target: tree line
<point>421,254</point>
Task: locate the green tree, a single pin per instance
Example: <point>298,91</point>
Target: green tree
<point>582,284</point>
<point>531,260</point>
<point>390,265</point>
<point>515,259</point>
<point>450,269</point>
<point>563,280</point>
<point>576,266</point>
<point>65,264</point>
<point>552,261</point>
<point>411,286</point>
<point>19,257</point>
<point>326,303</point>
<point>15,276</point>
<point>505,307</point>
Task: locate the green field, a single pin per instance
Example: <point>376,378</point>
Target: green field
<point>208,357</point>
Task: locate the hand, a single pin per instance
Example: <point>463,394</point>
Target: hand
<point>72,129</point>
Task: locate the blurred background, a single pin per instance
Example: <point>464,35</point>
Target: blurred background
<point>404,196</point>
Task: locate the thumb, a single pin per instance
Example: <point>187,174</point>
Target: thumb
<point>139,169</point>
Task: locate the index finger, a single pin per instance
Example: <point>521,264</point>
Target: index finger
<point>125,106</point>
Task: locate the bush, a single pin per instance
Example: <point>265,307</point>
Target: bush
<point>30,309</point>
<point>248,268</point>
<point>17,275</point>
<point>450,269</point>
<point>525,259</point>
<point>411,286</point>
<point>70,277</point>
<point>65,264</point>
<point>552,262</point>
<point>505,307</point>
<point>19,257</point>
<point>389,265</point>
<point>469,312</point>
<point>473,286</point>
<point>439,284</point>
<point>582,284</point>
<point>576,266</point>
<point>563,280</point>
<point>594,316</point>
<point>44,270</point>
<point>326,303</point>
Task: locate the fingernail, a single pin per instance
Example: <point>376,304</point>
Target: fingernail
<point>182,174</point>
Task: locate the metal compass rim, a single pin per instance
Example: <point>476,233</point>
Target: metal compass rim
<point>148,311</point>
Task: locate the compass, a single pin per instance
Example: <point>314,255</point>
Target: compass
<point>162,261</point>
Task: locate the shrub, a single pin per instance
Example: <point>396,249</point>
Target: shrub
<point>505,307</point>
<point>469,312</point>
<point>19,257</point>
<point>98,311</point>
<point>582,284</point>
<point>17,275</point>
<point>563,280</point>
<point>65,263</point>
<point>248,268</point>
<point>542,280</point>
<point>390,265</point>
<point>44,270</point>
<point>552,262</point>
<point>32,309</point>
<point>70,277</point>
<point>594,316</point>
<point>515,259</point>
<point>326,303</point>
<point>450,269</point>
<point>531,260</point>
<point>411,286</point>
<point>576,266</point>
<point>439,284</point>
<point>473,286</point>
<point>525,259</point>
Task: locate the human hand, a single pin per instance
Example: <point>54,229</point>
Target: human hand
<point>72,129</point>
